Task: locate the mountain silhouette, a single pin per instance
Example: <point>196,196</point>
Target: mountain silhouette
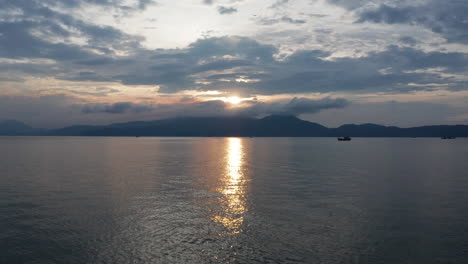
<point>16,128</point>
<point>270,126</point>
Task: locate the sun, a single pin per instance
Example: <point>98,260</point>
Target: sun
<point>233,100</point>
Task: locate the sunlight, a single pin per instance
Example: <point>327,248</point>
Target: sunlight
<point>233,100</point>
<point>233,189</point>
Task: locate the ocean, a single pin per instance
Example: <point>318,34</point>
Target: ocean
<point>233,200</point>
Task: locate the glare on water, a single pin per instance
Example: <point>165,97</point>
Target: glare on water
<point>233,188</point>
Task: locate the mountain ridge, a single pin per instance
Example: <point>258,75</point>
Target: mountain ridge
<point>269,126</point>
<point>16,128</point>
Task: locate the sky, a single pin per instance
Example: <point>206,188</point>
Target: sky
<point>334,62</point>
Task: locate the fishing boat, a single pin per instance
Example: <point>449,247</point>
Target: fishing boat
<point>344,139</point>
<point>449,137</point>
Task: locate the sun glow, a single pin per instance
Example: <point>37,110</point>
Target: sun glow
<point>234,189</point>
<point>235,100</point>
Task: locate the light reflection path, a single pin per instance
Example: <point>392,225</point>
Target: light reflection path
<point>233,189</point>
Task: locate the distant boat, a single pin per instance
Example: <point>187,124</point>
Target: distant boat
<point>449,137</point>
<point>344,139</point>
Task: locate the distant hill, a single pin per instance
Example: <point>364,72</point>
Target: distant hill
<point>16,128</point>
<point>270,126</point>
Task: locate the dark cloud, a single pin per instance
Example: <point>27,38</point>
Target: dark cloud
<point>388,14</point>
<point>222,63</point>
<point>96,92</point>
<point>247,66</point>
<point>116,108</point>
<point>143,4</point>
<point>136,4</point>
<point>39,111</point>
<point>223,10</point>
<point>17,41</point>
<point>88,76</point>
<point>299,106</point>
<point>279,3</point>
<point>411,59</point>
<point>59,110</point>
<point>28,33</point>
<point>296,106</point>
<point>356,4</point>
<point>97,61</point>
<point>177,71</point>
<point>309,71</point>
<point>284,19</point>
<point>442,17</point>
<point>408,40</point>
<point>234,46</point>
<point>208,2</point>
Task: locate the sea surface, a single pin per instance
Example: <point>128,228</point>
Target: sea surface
<point>233,200</point>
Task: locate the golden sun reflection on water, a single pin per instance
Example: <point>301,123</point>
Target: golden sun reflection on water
<point>233,189</point>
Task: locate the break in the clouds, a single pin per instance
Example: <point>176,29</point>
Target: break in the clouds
<point>113,60</point>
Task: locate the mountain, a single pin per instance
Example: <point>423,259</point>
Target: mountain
<point>15,128</point>
<point>372,130</point>
<point>270,126</point>
<point>367,130</point>
<point>278,126</point>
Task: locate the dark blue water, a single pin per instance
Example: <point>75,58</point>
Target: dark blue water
<point>228,200</point>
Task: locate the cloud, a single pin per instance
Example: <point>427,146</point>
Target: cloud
<point>392,113</point>
<point>116,108</point>
<point>53,111</point>
<point>40,31</point>
<point>409,40</point>
<point>279,3</point>
<point>222,62</point>
<point>284,19</point>
<point>442,17</point>
<point>356,4</point>
<point>296,106</point>
<point>87,76</point>
<point>96,92</point>
<point>126,5</point>
<point>208,2</point>
<point>53,41</point>
<point>223,10</point>
<point>18,42</point>
<point>143,4</point>
<point>247,66</point>
<point>38,111</point>
<point>227,63</point>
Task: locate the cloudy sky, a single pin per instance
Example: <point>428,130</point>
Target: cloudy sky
<point>397,62</point>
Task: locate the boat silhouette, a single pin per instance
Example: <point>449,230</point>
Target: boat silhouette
<point>344,139</point>
<point>448,137</point>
